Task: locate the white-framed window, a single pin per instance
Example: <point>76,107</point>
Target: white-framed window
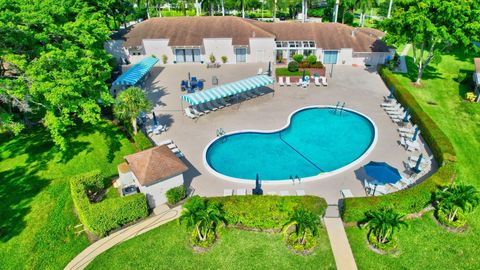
<point>241,55</point>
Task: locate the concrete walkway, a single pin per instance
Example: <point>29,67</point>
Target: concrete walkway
<point>338,240</point>
<point>403,64</point>
<point>162,215</point>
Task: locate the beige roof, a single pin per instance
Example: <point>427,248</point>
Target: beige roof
<point>190,31</point>
<point>155,164</point>
<point>123,167</point>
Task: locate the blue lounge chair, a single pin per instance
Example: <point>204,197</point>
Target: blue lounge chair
<point>200,85</point>
<point>184,85</point>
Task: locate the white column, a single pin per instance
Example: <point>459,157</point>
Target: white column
<point>390,9</point>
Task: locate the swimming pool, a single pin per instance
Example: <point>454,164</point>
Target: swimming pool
<point>318,141</point>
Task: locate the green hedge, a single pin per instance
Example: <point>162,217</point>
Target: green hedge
<point>267,212</point>
<point>416,198</point>
<point>142,141</point>
<point>176,194</point>
<point>102,217</point>
<point>286,72</point>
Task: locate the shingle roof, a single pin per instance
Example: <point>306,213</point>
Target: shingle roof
<point>190,31</point>
<point>155,164</point>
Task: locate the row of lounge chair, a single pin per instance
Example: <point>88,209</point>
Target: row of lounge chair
<point>318,81</point>
<point>214,105</point>
<point>243,192</point>
<point>397,114</point>
<point>173,147</point>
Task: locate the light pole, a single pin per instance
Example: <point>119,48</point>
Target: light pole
<point>390,9</point>
<point>335,11</point>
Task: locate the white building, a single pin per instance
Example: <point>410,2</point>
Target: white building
<point>194,39</point>
<point>154,171</point>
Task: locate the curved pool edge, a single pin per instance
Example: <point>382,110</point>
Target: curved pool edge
<point>288,181</point>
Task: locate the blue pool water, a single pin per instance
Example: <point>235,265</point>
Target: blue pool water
<point>316,141</point>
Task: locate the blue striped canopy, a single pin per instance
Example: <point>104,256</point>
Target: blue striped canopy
<point>228,89</point>
<point>137,72</point>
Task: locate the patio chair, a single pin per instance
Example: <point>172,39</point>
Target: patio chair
<point>257,92</point>
<point>300,82</point>
<point>300,192</point>
<point>200,85</point>
<point>409,136</point>
<point>190,114</point>
<point>390,104</point>
<point>280,81</point>
<point>425,160</point>
<point>287,81</point>
<point>323,80</point>
<point>244,96</point>
<point>218,105</point>
<point>197,112</point>
<point>260,71</point>
<point>407,130</point>
<point>159,129</point>
<point>223,102</point>
<point>409,145</point>
<point>210,107</point>
<point>346,193</point>
<point>227,192</point>
<point>203,109</point>
<point>393,108</point>
<point>241,192</point>
<point>379,190</point>
<point>184,85</point>
<point>179,154</point>
<point>250,94</point>
<point>165,142</point>
<point>317,81</point>
<point>398,185</point>
<point>407,181</point>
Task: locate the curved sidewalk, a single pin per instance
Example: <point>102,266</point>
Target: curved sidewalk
<point>87,255</point>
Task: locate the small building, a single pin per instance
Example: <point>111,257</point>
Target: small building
<point>476,78</point>
<point>153,171</point>
<point>194,39</point>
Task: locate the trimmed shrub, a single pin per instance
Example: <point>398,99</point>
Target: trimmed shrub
<point>310,242</point>
<point>142,141</point>
<point>318,64</point>
<point>267,212</point>
<point>212,58</point>
<point>293,66</point>
<point>312,59</point>
<point>224,59</point>
<point>389,246</point>
<point>164,59</point>
<point>459,222</point>
<point>298,58</point>
<point>304,64</point>
<point>418,197</point>
<point>100,218</point>
<point>176,194</point>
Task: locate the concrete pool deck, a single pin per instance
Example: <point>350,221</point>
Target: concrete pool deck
<point>361,89</point>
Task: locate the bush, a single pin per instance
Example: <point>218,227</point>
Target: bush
<point>142,141</point>
<point>418,197</point>
<point>212,58</point>
<point>310,242</point>
<point>164,59</point>
<point>286,72</point>
<point>267,212</point>
<point>176,194</point>
<point>387,247</point>
<point>317,65</point>
<point>224,59</point>
<point>312,59</point>
<point>459,222</point>
<point>100,218</point>
<point>293,66</point>
<point>304,64</point>
<point>298,58</point>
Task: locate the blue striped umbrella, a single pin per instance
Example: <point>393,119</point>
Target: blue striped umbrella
<point>407,113</point>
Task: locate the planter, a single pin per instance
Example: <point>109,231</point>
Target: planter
<point>381,248</point>
<point>307,249</point>
<point>459,226</point>
<point>199,246</point>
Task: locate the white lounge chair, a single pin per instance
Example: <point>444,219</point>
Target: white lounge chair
<point>258,92</point>
<point>379,190</point>
<point>159,129</point>
<point>400,119</point>
<point>179,154</point>
<point>323,80</point>
<point>216,104</point>
<point>203,109</point>
<point>317,81</point>
<point>300,82</point>
<point>425,160</point>
<point>393,108</point>
<point>284,193</point>
<point>287,81</point>
<point>227,192</point>
<point>407,130</point>
<point>398,185</point>
<point>407,181</point>
<point>392,103</point>
<point>397,112</point>
<point>250,94</point>
<point>223,102</point>
<point>197,112</point>
<point>241,192</point>
<point>409,145</point>
<point>280,81</point>
<point>165,142</point>
<point>367,186</point>
<point>244,96</point>
<point>189,113</point>
<point>210,106</point>
<point>300,192</point>
<point>260,71</point>
<point>346,193</point>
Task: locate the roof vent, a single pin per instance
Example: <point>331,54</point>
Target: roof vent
<point>253,34</point>
<point>353,33</point>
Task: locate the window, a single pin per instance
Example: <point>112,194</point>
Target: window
<point>187,55</point>
<point>241,55</point>
<point>279,44</point>
<point>307,52</point>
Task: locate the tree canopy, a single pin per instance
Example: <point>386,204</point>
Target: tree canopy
<point>433,26</point>
<point>53,64</point>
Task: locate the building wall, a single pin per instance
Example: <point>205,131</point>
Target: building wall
<point>261,50</point>
<point>116,49</point>
<point>218,47</point>
<point>155,193</point>
<point>158,47</point>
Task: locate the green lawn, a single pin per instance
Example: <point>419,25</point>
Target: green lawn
<point>424,245</point>
<point>36,214</point>
<point>167,247</point>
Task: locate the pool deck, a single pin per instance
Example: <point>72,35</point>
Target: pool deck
<point>361,89</point>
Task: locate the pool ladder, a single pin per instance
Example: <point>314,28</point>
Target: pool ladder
<point>340,107</point>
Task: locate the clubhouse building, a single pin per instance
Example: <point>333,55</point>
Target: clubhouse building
<point>195,39</point>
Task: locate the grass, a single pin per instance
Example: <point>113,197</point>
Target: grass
<point>286,72</point>
<point>36,217</point>
<point>425,245</point>
<point>167,247</point>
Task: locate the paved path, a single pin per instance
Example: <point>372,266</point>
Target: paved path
<point>338,240</point>
<point>403,64</point>
<point>162,216</point>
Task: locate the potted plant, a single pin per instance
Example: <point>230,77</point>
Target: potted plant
<point>224,59</point>
<point>212,58</point>
<point>164,59</point>
<point>382,225</point>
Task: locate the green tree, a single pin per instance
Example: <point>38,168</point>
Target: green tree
<point>457,198</point>
<point>204,216</point>
<point>129,104</point>
<point>303,221</point>
<point>433,26</point>
<point>384,223</point>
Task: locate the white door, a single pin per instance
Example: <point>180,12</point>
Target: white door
<point>260,56</point>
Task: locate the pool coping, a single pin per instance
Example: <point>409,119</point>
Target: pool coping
<point>289,181</point>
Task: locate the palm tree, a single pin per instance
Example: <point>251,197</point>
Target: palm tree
<point>457,198</point>
<point>129,104</point>
<point>365,5</point>
<point>384,223</point>
<point>304,221</point>
<point>204,216</point>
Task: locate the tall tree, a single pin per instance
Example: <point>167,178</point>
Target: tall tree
<point>54,62</point>
<point>384,223</point>
<point>433,26</point>
<point>129,104</point>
